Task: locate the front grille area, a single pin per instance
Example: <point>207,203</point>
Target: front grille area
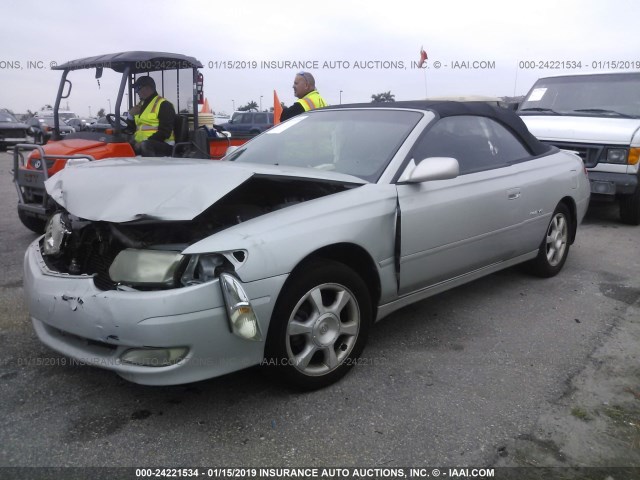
<point>89,248</point>
<point>590,154</point>
<point>89,251</point>
<point>100,265</point>
<point>12,133</point>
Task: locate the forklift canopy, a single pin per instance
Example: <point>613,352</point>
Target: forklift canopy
<point>138,62</point>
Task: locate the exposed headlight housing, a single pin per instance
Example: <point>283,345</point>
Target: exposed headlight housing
<point>617,155</point>
<point>145,267</point>
<point>201,269</point>
<point>154,357</point>
<point>55,234</point>
<point>242,318</point>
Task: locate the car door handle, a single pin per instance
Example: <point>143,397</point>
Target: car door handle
<point>513,193</point>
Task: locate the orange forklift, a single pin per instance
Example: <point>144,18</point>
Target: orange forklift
<point>173,73</point>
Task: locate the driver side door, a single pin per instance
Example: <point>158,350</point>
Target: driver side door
<point>456,226</point>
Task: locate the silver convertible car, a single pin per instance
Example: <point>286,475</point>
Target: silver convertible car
<point>285,253</point>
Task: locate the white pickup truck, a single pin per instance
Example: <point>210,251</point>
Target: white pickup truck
<point>597,116</point>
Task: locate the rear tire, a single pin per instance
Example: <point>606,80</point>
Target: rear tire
<point>630,208</point>
<point>35,224</point>
<point>554,248</point>
<point>319,326</point>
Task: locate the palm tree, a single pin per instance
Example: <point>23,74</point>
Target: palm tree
<point>383,97</point>
<point>249,106</point>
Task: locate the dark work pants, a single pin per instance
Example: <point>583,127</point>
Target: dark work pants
<point>153,148</point>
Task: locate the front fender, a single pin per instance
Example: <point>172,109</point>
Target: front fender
<point>278,241</point>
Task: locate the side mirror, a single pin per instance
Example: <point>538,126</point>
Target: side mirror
<point>429,169</point>
<point>231,149</point>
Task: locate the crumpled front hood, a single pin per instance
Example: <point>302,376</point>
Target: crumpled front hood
<point>122,190</point>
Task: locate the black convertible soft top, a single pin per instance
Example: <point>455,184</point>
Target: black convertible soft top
<point>442,109</point>
<point>138,61</point>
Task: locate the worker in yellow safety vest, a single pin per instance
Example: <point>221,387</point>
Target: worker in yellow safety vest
<point>304,88</point>
<point>154,118</point>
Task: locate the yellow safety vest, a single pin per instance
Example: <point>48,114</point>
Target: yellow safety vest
<point>312,100</point>
<point>147,122</point>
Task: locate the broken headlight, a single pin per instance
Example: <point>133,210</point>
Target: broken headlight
<point>55,234</point>
<point>242,317</point>
<point>201,269</point>
<point>145,268</point>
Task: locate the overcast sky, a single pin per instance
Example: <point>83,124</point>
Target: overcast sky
<point>384,38</point>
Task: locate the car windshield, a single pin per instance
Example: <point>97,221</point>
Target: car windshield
<point>66,115</point>
<point>5,117</point>
<point>354,142</point>
<point>610,95</point>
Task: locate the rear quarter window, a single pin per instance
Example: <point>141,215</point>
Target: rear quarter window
<point>478,143</point>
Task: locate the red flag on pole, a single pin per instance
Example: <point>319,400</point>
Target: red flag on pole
<point>277,108</point>
<point>423,57</point>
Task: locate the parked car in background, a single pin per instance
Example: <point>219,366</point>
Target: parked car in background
<point>100,125</point>
<point>598,117</point>
<point>286,253</point>
<point>64,115</point>
<point>42,128</point>
<point>79,124</point>
<point>495,101</point>
<point>12,131</point>
<point>249,123</point>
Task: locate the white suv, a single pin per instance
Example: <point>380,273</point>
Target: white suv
<point>598,117</point>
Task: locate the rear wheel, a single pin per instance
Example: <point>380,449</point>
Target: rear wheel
<point>554,248</point>
<point>630,208</point>
<point>35,224</point>
<point>319,326</point>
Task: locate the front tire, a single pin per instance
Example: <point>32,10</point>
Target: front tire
<point>554,248</point>
<point>630,208</point>
<point>319,326</point>
<point>35,224</point>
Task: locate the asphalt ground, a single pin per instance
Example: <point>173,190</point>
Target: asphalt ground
<point>450,381</point>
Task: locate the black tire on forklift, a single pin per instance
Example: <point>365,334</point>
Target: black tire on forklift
<point>35,224</point>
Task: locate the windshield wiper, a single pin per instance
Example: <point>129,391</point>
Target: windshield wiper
<point>540,109</point>
<point>603,110</point>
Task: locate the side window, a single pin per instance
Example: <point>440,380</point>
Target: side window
<point>260,118</point>
<point>507,146</point>
<point>478,143</point>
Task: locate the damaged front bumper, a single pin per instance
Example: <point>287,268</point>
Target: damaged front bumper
<point>186,330</point>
